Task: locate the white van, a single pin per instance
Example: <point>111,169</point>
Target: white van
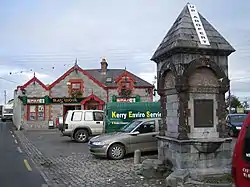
<point>80,124</point>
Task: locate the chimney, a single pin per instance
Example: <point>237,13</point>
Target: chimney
<point>104,66</point>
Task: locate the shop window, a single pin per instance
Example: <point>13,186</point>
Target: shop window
<point>36,112</point>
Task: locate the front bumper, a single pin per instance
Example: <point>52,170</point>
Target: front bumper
<point>97,150</point>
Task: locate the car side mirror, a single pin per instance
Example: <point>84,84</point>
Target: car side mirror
<point>135,133</point>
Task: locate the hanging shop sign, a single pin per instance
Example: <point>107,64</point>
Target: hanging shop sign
<point>198,25</point>
<point>66,100</point>
<point>126,99</point>
<point>35,100</point>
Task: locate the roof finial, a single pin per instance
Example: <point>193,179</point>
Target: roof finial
<point>76,62</point>
<point>34,74</point>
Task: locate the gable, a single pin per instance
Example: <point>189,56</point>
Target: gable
<point>80,70</point>
<point>32,81</point>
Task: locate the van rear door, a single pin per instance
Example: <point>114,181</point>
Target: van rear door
<point>241,157</point>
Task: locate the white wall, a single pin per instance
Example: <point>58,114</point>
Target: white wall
<point>17,111</point>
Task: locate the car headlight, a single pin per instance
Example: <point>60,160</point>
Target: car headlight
<point>98,143</point>
<point>238,128</point>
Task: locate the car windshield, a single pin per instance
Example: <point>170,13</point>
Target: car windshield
<point>130,126</point>
<point>238,118</point>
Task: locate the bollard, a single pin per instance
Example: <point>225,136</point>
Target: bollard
<point>137,157</point>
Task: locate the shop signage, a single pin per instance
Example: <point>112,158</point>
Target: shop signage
<point>34,100</point>
<point>198,25</point>
<point>125,99</point>
<point>66,100</point>
<point>131,115</point>
<point>129,100</point>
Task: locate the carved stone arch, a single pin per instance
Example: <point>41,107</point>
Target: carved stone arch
<point>165,69</point>
<point>204,62</point>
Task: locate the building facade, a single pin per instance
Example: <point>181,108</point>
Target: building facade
<point>77,89</point>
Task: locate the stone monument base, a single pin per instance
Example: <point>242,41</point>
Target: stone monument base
<point>196,158</point>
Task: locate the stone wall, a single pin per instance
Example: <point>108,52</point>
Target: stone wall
<point>172,119</point>
<point>144,97</point>
<point>43,124</point>
<point>61,88</point>
<point>186,155</point>
<point>35,90</point>
<point>186,58</point>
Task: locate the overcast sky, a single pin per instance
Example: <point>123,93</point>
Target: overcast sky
<point>41,34</point>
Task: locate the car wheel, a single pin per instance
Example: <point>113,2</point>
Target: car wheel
<point>81,136</point>
<point>231,133</point>
<point>116,151</point>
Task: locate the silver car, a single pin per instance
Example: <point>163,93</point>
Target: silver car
<point>139,134</point>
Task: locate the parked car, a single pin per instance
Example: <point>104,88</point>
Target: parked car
<point>138,134</point>
<point>234,123</point>
<point>81,124</point>
<point>241,157</point>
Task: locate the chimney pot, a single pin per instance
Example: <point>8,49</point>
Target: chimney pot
<point>104,66</point>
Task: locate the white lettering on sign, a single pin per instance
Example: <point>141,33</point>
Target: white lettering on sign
<point>198,25</point>
<point>35,101</point>
<point>129,100</point>
<point>246,172</point>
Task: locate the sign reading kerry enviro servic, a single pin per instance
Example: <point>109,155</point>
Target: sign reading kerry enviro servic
<point>134,115</point>
<point>119,114</point>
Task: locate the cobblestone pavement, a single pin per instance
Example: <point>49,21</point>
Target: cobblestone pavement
<point>80,168</point>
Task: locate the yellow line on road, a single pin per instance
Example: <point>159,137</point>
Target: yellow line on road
<point>26,163</point>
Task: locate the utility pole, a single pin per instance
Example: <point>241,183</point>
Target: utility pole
<point>229,98</point>
<point>5,96</point>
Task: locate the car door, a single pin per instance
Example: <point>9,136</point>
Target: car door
<point>145,140</point>
<point>89,122</point>
<point>98,118</point>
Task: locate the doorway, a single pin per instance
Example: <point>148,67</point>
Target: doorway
<point>91,105</point>
<point>70,107</point>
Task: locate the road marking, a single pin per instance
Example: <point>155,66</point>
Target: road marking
<point>26,163</point>
<point>16,142</point>
<point>11,132</point>
<point>13,136</point>
<point>19,149</point>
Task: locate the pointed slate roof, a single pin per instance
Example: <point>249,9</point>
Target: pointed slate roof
<point>183,35</point>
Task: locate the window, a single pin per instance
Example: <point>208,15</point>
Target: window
<point>88,116</point>
<point>246,145</point>
<point>76,87</point>
<point>98,116</point>
<point>76,116</point>
<point>147,127</point>
<point>36,112</point>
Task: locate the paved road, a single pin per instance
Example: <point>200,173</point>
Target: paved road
<point>16,170</point>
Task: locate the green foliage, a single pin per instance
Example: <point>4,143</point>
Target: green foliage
<point>235,102</point>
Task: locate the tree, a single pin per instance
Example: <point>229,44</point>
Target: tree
<point>235,102</point>
<point>245,104</point>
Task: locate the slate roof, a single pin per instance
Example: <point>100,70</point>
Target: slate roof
<point>114,74</point>
<point>182,34</point>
